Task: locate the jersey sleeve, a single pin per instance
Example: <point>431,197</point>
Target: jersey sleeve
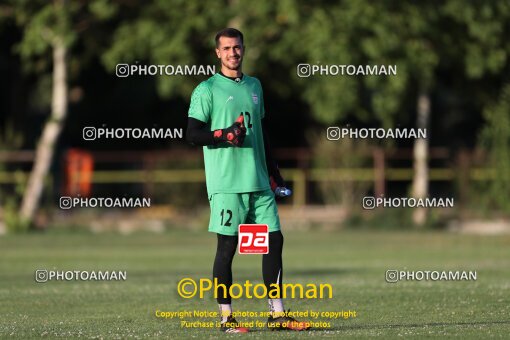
<point>201,103</point>
<point>261,100</point>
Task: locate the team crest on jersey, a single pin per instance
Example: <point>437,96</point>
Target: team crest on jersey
<point>255,98</point>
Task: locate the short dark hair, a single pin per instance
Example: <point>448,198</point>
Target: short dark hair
<point>229,33</point>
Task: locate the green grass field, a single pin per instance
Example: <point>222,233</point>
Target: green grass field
<point>354,263</point>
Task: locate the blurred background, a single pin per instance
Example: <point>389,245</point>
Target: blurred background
<point>57,76</point>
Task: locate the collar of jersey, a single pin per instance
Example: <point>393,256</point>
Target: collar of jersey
<point>221,75</point>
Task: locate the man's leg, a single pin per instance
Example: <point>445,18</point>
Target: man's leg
<point>272,270</point>
<point>227,212</point>
<point>222,271</point>
<point>264,211</point>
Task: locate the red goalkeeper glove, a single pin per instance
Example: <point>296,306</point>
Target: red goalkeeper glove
<point>234,134</point>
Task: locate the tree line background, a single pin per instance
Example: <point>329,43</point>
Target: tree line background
<point>57,66</point>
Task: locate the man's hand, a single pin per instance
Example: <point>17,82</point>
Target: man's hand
<point>234,134</point>
<point>275,178</point>
<point>273,183</point>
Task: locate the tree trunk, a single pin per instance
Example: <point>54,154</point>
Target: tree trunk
<point>46,145</point>
<point>420,154</point>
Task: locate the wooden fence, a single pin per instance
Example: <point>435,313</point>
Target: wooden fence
<point>300,175</point>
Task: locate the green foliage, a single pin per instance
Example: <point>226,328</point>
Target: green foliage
<point>485,48</point>
<point>341,154</point>
<point>43,24</point>
<point>103,9</point>
<point>495,137</point>
<point>15,224</point>
<point>10,139</point>
<point>357,33</point>
<point>415,36</point>
<point>168,32</point>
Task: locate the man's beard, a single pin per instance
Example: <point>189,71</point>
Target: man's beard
<point>235,68</point>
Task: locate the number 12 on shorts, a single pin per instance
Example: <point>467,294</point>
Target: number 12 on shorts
<point>226,217</point>
<point>253,239</point>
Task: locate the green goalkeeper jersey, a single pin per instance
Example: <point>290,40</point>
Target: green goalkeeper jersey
<point>218,102</point>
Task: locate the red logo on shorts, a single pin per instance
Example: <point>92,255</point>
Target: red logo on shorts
<point>253,239</point>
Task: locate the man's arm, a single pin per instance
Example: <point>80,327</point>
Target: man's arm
<point>197,133</point>
<point>275,177</point>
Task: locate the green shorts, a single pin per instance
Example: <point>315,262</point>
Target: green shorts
<point>230,210</point>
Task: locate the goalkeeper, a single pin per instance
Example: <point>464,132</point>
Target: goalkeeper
<point>226,117</point>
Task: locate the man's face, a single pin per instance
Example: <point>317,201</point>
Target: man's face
<point>230,51</point>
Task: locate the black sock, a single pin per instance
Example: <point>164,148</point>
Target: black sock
<point>222,269</point>
<point>272,268</point>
